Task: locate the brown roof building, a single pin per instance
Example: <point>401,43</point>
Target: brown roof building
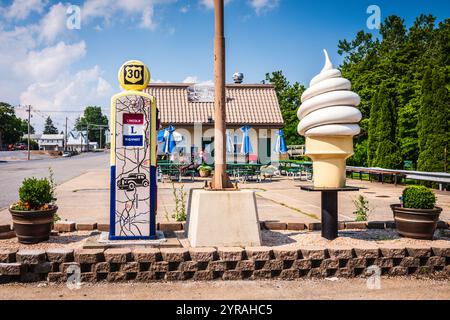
<point>190,109</point>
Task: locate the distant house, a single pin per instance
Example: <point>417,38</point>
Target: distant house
<point>51,142</point>
<point>77,141</point>
<point>186,106</point>
<point>33,137</point>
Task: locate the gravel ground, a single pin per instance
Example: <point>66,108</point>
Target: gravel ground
<point>347,238</point>
<point>305,289</point>
<point>360,238</point>
<point>71,240</point>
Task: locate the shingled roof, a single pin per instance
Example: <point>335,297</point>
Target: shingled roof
<point>247,104</point>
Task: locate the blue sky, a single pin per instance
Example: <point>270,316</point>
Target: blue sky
<point>55,69</point>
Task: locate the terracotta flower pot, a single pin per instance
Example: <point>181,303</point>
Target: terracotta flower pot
<point>204,173</point>
<point>416,223</point>
<point>33,226</point>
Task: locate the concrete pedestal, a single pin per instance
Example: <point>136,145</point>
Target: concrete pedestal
<point>223,219</point>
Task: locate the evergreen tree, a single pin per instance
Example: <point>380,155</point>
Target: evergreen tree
<point>433,124</point>
<point>387,153</point>
<point>372,130</point>
<point>49,127</point>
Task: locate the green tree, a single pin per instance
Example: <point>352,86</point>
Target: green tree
<point>399,57</point>
<point>10,125</point>
<point>387,154</point>
<point>373,139</point>
<point>289,98</point>
<point>24,127</point>
<point>91,120</point>
<point>49,127</point>
<point>433,126</point>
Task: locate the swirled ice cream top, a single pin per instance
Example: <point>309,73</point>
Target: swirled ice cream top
<point>329,106</point>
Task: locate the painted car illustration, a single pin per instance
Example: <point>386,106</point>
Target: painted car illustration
<point>132,181</point>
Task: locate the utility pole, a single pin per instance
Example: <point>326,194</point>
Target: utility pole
<point>220,180</point>
<point>29,131</point>
<point>87,138</point>
<point>100,144</point>
<point>65,137</point>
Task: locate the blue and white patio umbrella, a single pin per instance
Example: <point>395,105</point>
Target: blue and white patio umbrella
<point>230,144</point>
<point>280,145</point>
<point>246,147</point>
<point>166,140</point>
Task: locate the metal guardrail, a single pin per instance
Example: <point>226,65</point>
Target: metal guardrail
<point>439,177</point>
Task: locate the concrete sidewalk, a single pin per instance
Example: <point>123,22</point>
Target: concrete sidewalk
<point>86,199</point>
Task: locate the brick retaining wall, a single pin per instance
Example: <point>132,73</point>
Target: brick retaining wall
<point>69,226</point>
<point>176,264</point>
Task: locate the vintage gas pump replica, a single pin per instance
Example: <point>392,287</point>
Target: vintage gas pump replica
<point>133,156</point>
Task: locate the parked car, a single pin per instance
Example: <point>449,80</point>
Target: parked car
<point>132,181</point>
<point>67,154</point>
<point>20,146</point>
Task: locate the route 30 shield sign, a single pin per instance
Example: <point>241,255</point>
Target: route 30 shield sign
<point>134,75</point>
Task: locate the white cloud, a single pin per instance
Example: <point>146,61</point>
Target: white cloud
<point>86,87</point>
<point>37,59</point>
<point>106,10</point>
<point>194,79</point>
<point>54,22</point>
<point>68,92</point>
<point>15,45</point>
<point>191,79</point>
<point>48,63</point>
<point>209,4</point>
<point>147,19</point>
<point>21,9</point>
<point>261,6</point>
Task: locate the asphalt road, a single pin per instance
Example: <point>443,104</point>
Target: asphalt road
<point>12,173</point>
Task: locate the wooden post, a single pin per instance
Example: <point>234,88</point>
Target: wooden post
<point>220,179</point>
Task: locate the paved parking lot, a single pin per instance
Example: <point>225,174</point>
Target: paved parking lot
<point>85,198</point>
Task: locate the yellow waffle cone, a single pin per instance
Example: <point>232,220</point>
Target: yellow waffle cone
<point>329,155</point>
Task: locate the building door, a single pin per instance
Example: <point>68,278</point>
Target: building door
<point>264,150</point>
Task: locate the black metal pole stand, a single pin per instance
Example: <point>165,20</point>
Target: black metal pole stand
<point>329,205</point>
<point>329,208</point>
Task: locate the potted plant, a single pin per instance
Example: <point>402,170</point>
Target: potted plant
<point>417,216</point>
<point>33,215</point>
<point>204,171</point>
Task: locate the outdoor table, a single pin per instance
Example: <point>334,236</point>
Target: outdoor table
<point>173,169</point>
<point>244,169</point>
<point>329,208</point>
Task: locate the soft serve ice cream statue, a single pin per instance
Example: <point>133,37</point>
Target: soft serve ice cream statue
<point>329,120</point>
